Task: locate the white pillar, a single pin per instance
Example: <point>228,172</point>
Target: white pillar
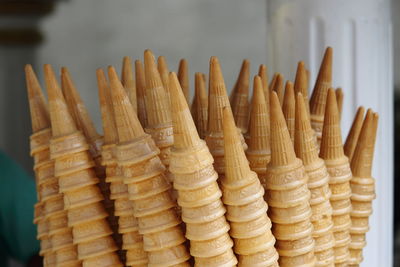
<point>360,33</point>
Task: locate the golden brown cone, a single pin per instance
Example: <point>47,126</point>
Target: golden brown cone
<point>301,84</point>
<point>127,123</point>
<point>282,150</point>
<point>339,100</point>
<point>289,108</point>
<point>304,142</point>
<point>273,81</point>
<point>163,69</point>
<point>236,164</point>
<point>201,105</point>
<point>259,119</point>
<point>278,87</point>
<point>308,78</point>
<point>76,106</point>
<point>352,137</point>
<point>240,101</point>
<point>107,111</point>
<point>62,122</point>
<point>331,141</point>
<point>217,97</point>
<point>157,102</point>
<point>263,73</point>
<point>185,133</point>
<point>140,89</point>
<point>183,76</point>
<point>361,164</point>
<point>37,103</point>
<point>323,83</point>
<point>128,81</point>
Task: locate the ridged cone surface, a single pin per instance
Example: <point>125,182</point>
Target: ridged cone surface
<point>78,181</point>
<point>140,93</point>
<point>197,188</point>
<point>201,105</point>
<point>339,100</point>
<point>279,87</point>
<point>301,84</point>
<point>164,72</point>
<point>37,103</point>
<point>289,108</point>
<point>128,81</point>
<point>282,151</point>
<point>240,104</point>
<point>183,76</point>
<point>263,73</point>
<point>62,122</point>
<point>352,137</point>
<point>331,142</point>
<point>239,180</point>
<point>318,179</point>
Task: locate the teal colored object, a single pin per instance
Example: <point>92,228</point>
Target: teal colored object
<point>17,198</point>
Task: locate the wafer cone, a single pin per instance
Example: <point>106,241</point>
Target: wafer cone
<point>352,137</point>
<point>363,186</point>
<point>318,184</point>
<point>286,185</point>
<point>331,150</point>
<point>183,76</point>
<point>339,100</point>
<point>86,213</point>
<point>154,209</point>
<point>127,227</point>
<point>263,73</point>
<point>289,109</point>
<point>240,100</point>
<point>158,109</point>
<point>200,104</point>
<point>140,93</point>
<point>198,191</point>
<point>273,81</point>
<point>217,101</point>
<point>301,84</point>
<point>128,81</point>
<point>241,182</point>
<point>278,87</point>
<point>43,166</point>
<point>318,97</point>
<point>259,151</point>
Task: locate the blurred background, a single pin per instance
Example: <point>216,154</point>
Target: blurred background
<point>86,35</point>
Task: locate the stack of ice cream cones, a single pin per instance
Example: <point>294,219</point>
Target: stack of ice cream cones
<point>259,151</point>
<point>337,164</point>
<point>198,193</point>
<point>218,99</point>
<point>132,241</point>
<point>362,187</point>
<point>318,184</point>
<point>288,196</point>
<point>77,179</point>
<point>318,97</point>
<point>246,208</point>
<point>148,186</point>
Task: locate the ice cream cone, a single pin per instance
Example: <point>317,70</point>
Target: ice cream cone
<point>263,73</point>
<point>240,98</point>
<point>128,81</point>
<point>196,184</point>
<point>331,150</point>
<point>140,93</point>
<point>289,108</point>
<point>164,72</point>
<point>339,100</point>
<point>70,152</point>
<point>218,99</point>
<point>243,195</point>
<point>363,186</point>
<point>119,191</point>
<point>318,97</point>
<point>259,151</point>
<point>47,184</point>
<point>352,137</point>
<point>200,105</point>
<point>301,84</point>
<point>183,77</point>
<point>278,87</point>
<point>154,210</point>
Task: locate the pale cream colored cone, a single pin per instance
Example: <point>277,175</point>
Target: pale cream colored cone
<point>352,137</point>
<point>128,81</point>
